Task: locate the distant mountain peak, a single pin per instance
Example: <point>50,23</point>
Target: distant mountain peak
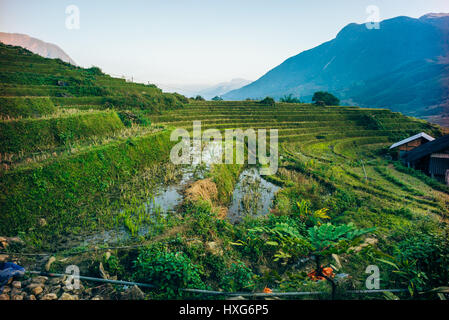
<point>42,48</point>
<point>434,15</point>
<point>402,66</point>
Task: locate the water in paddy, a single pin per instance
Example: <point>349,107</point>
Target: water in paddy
<point>252,195</point>
<point>165,200</point>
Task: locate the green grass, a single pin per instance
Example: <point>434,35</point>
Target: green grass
<point>33,135</point>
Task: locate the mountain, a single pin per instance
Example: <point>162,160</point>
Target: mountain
<point>222,88</point>
<point>44,49</point>
<point>206,91</point>
<point>403,65</point>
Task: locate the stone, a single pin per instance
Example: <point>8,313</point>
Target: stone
<point>17,297</point>
<point>49,263</point>
<point>133,293</point>
<point>6,289</point>
<point>4,297</point>
<point>16,291</point>
<point>66,296</point>
<point>31,297</point>
<point>97,298</point>
<point>17,284</point>
<point>40,279</point>
<point>4,258</point>
<point>37,290</point>
<point>50,296</point>
<point>55,281</point>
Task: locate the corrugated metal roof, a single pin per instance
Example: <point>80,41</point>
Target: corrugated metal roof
<point>435,146</point>
<point>416,136</point>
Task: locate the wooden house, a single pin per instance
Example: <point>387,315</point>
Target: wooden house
<point>431,157</point>
<point>411,143</point>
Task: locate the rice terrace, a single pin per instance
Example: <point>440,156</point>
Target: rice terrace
<point>354,206</point>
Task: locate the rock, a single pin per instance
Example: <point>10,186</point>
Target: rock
<point>6,289</point>
<point>3,243</point>
<point>49,262</point>
<point>133,293</point>
<point>37,290</point>
<point>368,242</point>
<point>4,258</point>
<point>4,297</point>
<point>97,298</point>
<point>55,289</point>
<point>50,296</point>
<point>16,291</point>
<point>66,296</point>
<point>39,279</point>
<point>17,284</point>
<point>17,297</point>
<point>55,281</point>
<point>31,297</point>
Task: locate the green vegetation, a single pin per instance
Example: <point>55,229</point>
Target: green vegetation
<point>325,99</point>
<point>290,99</point>
<point>31,135</point>
<point>83,153</point>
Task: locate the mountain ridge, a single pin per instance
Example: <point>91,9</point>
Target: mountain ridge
<point>406,54</point>
<point>37,46</point>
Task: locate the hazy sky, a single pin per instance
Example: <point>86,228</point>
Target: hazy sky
<point>194,41</point>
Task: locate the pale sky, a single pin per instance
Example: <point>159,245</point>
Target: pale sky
<point>189,42</point>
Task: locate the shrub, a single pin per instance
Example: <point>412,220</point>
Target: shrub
<point>238,278</point>
<point>168,271</point>
<point>268,101</point>
<point>290,99</point>
<point>325,98</point>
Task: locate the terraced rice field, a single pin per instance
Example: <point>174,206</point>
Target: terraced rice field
<point>342,145</point>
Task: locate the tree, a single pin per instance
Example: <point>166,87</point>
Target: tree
<point>198,98</point>
<point>267,101</point>
<point>217,98</point>
<point>290,99</point>
<point>325,98</point>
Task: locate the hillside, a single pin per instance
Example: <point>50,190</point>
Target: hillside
<point>44,49</point>
<point>402,66</point>
<point>86,180</point>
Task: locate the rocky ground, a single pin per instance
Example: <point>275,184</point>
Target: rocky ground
<point>45,288</point>
<point>38,287</point>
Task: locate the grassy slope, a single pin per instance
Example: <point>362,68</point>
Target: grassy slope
<point>335,157</point>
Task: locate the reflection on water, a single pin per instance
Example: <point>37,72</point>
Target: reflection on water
<point>253,195</point>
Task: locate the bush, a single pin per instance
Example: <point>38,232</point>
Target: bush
<point>238,278</point>
<point>217,98</point>
<point>268,101</point>
<point>325,98</point>
<point>290,99</point>
<point>168,271</point>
